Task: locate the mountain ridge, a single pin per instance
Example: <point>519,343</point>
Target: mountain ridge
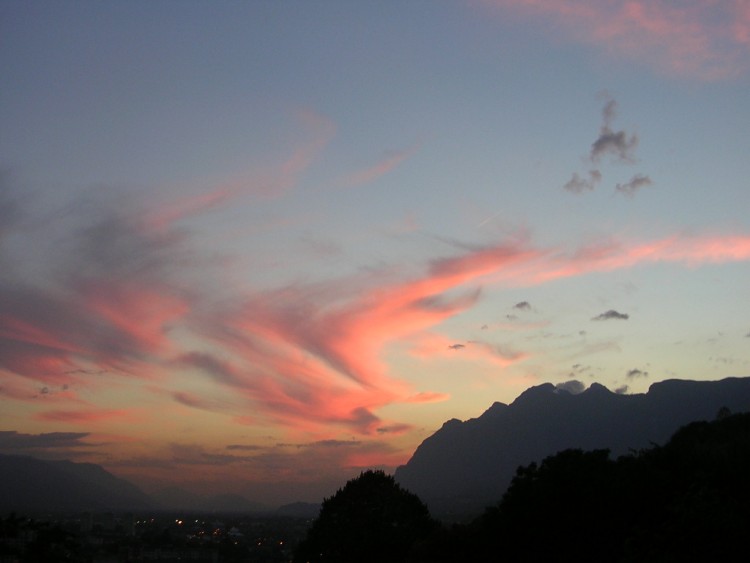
<point>465,465</point>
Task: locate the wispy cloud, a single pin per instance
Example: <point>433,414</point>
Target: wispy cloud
<point>577,184</point>
<point>84,416</point>
<point>635,372</point>
<point>693,38</point>
<point>273,181</point>
<point>126,299</point>
<point>388,163</point>
<point>636,183</point>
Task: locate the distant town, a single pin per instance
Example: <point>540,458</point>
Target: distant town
<point>110,537</point>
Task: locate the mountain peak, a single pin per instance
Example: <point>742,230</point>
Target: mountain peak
<point>496,408</point>
<point>535,393</point>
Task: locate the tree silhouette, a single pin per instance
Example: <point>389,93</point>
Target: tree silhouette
<point>371,519</point>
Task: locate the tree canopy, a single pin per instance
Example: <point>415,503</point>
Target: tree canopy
<point>371,519</point>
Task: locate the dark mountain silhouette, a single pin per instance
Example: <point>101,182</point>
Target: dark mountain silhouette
<point>467,465</point>
<point>177,498</point>
<point>29,484</point>
<point>300,509</point>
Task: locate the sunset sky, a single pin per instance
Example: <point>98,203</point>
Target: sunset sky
<point>255,247</point>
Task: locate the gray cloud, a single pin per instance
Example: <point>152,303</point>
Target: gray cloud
<point>396,428</point>
<point>622,389</point>
<point>523,306</point>
<point>616,143</point>
<point>322,444</point>
<point>11,441</point>
<point>574,387</point>
<point>456,346</point>
<point>578,185</point>
<point>611,314</point>
<point>636,183</point>
<point>633,373</point>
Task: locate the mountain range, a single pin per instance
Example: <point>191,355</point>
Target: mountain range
<point>30,484</point>
<point>461,468</point>
<point>465,466</point>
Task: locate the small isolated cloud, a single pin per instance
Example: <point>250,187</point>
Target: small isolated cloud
<point>244,447</point>
<point>578,185</point>
<point>622,389</point>
<point>396,428</point>
<point>611,314</point>
<point>636,183</point>
<point>579,369</point>
<point>634,373</point>
<point>522,306</point>
<point>428,397</point>
<point>617,144</point>
<point>457,346</point>
<point>574,387</point>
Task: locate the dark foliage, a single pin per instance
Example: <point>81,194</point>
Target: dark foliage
<point>372,519</point>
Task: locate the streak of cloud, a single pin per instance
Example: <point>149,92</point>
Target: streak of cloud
<point>318,130</point>
<point>693,39</point>
<point>388,163</point>
<point>83,416</point>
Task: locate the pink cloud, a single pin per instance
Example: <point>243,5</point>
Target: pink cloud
<point>83,416</point>
<point>694,38</point>
<point>308,357</point>
<point>270,183</point>
<point>140,313</point>
<point>391,160</point>
<point>690,250</point>
<point>427,397</point>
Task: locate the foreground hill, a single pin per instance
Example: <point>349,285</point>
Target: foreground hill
<point>467,465</point>
<point>28,485</point>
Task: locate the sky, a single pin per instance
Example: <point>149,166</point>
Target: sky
<point>256,247</point>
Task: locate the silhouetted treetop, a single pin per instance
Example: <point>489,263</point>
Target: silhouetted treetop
<point>371,519</point>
